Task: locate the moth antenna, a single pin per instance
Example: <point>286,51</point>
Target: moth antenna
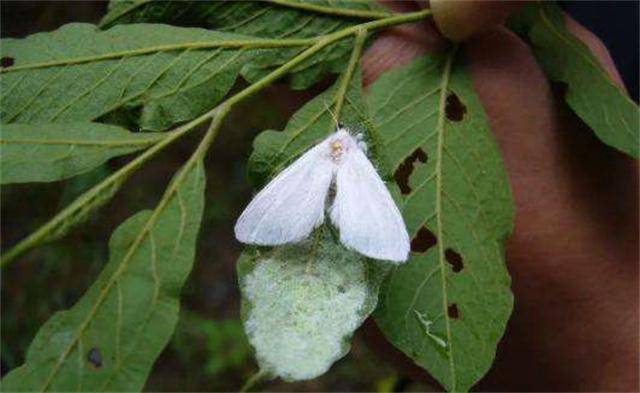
<point>335,118</point>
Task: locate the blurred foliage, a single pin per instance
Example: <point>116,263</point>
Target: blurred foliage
<point>209,349</point>
<point>32,291</point>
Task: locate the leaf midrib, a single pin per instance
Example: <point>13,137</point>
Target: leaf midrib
<point>71,142</point>
<point>579,52</point>
<point>83,142</point>
<point>330,11</point>
<point>255,43</point>
<point>439,227</point>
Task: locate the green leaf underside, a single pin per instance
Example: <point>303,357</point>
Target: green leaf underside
<point>56,151</point>
<point>592,94</point>
<point>461,195</point>
<point>254,18</point>
<point>302,303</point>
<point>125,72</point>
<point>110,338</point>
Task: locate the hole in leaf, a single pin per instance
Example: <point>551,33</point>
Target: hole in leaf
<point>454,259</point>
<point>7,61</point>
<point>452,311</point>
<point>424,240</point>
<point>95,357</point>
<point>406,168</point>
<point>454,108</point>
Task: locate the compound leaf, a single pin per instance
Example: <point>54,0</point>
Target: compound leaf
<point>111,337</point>
<point>591,93</point>
<point>55,151</point>
<point>448,306</point>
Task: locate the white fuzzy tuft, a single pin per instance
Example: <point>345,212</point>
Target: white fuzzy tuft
<point>302,310</point>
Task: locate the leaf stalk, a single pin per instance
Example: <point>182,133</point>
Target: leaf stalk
<point>254,380</point>
<point>361,36</point>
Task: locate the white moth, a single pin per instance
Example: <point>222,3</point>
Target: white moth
<point>293,204</point>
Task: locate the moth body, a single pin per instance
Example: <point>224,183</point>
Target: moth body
<point>292,205</point>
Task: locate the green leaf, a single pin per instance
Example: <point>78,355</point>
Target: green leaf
<point>55,151</point>
<point>155,75</point>
<point>269,19</point>
<point>110,338</point>
<point>225,350</point>
<point>601,103</point>
<point>303,302</point>
<point>448,306</point>
<point>92,199</point>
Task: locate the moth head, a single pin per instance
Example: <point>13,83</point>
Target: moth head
<point>340,144</point>
<point>337,149</point>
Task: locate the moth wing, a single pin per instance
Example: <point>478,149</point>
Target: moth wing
<point>292,204</point>
<point>363,210</point>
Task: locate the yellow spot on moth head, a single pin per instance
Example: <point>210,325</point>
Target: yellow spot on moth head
<point>336,150</point>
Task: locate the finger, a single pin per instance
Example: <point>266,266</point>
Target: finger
<point>459,20</point>
<point>575,235</point>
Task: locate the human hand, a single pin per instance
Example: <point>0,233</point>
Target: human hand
<point>573,256</point>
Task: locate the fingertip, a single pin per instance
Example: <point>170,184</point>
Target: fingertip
<point>459,20</point>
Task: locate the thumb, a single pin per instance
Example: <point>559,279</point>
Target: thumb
<point>459,20</point>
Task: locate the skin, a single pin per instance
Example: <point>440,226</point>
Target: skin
<point>573,256</point>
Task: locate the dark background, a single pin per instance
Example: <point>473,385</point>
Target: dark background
<point>616,24</point>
